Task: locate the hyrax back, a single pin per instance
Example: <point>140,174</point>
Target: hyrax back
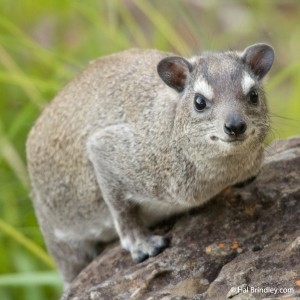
<point>141,135</point>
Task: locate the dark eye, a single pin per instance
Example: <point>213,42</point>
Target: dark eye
<point>199,102</point>
<point>253,95</point>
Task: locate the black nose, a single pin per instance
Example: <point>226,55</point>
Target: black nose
<point>234,125</point>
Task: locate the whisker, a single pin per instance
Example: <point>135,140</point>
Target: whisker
<point>274,115</point>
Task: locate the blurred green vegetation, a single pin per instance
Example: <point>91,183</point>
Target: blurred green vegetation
<point>43,44</point>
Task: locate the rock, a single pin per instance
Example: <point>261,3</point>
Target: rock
<point>243,244</point>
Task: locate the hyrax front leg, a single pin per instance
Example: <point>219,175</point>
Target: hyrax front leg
<point>112,153</point>
<point>134,237</point>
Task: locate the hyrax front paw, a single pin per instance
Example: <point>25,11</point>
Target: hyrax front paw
<point>142,248</point>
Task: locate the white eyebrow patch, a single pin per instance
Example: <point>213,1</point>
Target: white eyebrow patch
<point>247,83</point>
<point>202,87</point>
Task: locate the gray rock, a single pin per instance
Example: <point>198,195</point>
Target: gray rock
<point>244,244</point>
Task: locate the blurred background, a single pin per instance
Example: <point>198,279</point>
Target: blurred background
<point>44,44</point>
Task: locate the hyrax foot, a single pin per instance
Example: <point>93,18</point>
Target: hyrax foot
<point>149,246</point>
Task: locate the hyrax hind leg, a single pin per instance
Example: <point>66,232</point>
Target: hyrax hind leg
<point>72,257</point>
<point>111,152</point>
<point>71,254</point>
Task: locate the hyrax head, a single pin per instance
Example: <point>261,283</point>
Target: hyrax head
<point>221,100</point>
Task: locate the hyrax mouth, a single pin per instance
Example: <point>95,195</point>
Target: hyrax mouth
<point>230,140</point>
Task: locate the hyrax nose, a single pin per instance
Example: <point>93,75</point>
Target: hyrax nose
<point>234,125</point>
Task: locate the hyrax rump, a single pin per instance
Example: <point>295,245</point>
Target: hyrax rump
<point>141,135</point>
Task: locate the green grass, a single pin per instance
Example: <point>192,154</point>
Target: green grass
<point>43,44</point>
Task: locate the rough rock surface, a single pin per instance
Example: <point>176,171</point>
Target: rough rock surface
<point>243,239</point>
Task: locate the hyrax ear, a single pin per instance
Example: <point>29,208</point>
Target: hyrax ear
<point>174,71</point>
<point>259,58</point>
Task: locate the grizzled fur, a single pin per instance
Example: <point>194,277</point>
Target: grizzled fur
<point>122,147</point>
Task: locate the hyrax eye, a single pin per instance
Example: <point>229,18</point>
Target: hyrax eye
<point>199,103</point>
<point>253,96</point>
